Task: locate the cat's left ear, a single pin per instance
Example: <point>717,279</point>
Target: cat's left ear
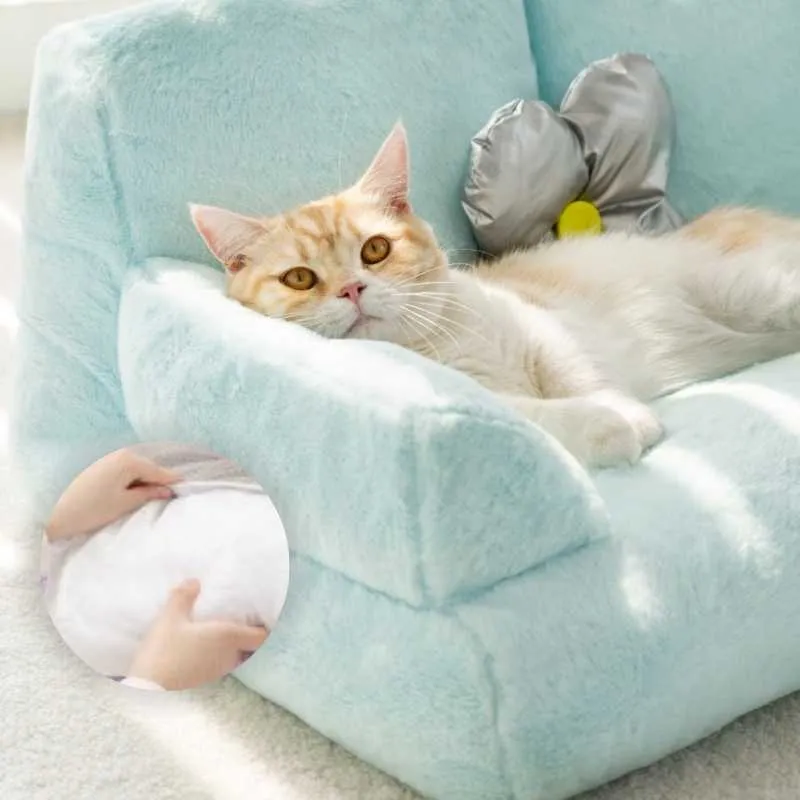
<point>226,233</point>
<point>387,175</point>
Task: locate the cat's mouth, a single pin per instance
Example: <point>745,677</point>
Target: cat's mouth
<point>361,321</point>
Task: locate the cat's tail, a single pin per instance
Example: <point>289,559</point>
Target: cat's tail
<point>721,351</point>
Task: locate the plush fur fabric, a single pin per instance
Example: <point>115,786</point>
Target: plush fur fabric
<point>548,675</point>
<point>410,517</point>
<point>249,104</point>
<point>496,623</point>
<point>736,114</point>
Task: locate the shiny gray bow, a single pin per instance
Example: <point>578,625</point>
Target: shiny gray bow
<point>610,143</point>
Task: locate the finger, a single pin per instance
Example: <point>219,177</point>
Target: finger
<point>134,498</point>
<point>144,471</point>
<point>151,491</point>
<point>183,597</point>
<point>245,637</point>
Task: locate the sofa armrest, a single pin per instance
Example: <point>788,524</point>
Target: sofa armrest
<point>400,473</point>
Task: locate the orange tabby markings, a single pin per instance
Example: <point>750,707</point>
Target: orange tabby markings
<point>736,229</point>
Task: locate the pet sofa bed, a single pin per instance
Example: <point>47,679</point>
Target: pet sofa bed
<point>469,609</point>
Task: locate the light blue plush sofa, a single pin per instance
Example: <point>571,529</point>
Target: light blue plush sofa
<point>470,610</point>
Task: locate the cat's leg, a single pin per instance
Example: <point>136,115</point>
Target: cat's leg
<point>576,402</point>
<point>601,429</point>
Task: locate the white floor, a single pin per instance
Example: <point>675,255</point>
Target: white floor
<point>68,735</point>
<point>11,144</point>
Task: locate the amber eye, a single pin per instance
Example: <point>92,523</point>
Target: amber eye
<point>375,249</point>
<point>300,278</point>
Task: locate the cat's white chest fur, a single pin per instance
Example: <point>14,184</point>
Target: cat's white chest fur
<point>487,323</point>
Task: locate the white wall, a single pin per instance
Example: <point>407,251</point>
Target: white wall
<point>22,24</point>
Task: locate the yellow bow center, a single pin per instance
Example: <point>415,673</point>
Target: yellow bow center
<point>580,218</point>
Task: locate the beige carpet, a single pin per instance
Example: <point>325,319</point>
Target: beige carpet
<point>68,735</point>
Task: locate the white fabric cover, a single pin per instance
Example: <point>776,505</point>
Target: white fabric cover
<point>103,591</point>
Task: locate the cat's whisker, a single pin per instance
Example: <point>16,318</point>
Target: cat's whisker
<point>410,330</point>
<point>421,311</point>
<point>424,314</point>
<point>416,288</point>
<point>475,250</point>
<point>450,335</point>
<point>437,326</point>
<point>433,295</point>
<point>448,300</point>
<point>418,275</point>
<point>420,314</point>
<point>440,297</point>
<point>437,267</point>
<point>426,283</point>
<point>439,301</point>
<point>471,331</point>
<point>415,331</point>
<point>306,322</point>
<point>403,325</point>
<point>425,292</point>
<point>432,268</point>
<point>412,282</point>
<point>428,341</point>
<point>311,321</point>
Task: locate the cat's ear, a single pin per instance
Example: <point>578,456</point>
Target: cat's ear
<point>226,233</point>
<point>387,175</point>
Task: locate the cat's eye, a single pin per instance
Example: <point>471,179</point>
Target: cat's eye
<point>375,250</point>
<point>300,278</point>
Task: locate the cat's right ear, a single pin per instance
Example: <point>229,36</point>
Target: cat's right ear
<point>226,233</point>
<point>387,175</point>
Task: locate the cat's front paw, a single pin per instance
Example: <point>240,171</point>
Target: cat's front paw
<point>614,430</point>
<point>608,439</point>
<point>647,425</point>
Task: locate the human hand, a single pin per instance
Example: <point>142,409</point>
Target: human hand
<point>179,653</point>
<point>116,485</point>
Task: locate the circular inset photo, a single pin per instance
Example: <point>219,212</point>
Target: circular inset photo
<point>164,566</point>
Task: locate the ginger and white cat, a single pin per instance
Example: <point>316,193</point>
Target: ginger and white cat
<point>576,335</point>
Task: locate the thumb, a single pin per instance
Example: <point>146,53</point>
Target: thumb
<point>183,597</point>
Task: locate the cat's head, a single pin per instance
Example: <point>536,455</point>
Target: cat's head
<point>357,264</point>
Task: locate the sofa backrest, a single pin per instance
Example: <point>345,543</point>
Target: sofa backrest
<point>251,104</point>
<point>260,105</point>
<point>732,70</point>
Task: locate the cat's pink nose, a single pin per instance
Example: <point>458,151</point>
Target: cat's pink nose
<point>353,291</point>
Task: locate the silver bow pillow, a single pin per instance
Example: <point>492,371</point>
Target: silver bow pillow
<point>610,144</point>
